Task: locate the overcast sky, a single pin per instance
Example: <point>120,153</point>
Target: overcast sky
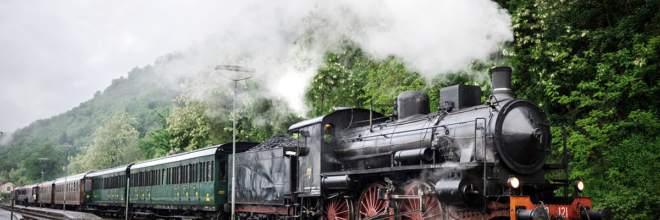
<point>56,54</point>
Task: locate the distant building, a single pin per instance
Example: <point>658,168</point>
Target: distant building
<point>7,187</point>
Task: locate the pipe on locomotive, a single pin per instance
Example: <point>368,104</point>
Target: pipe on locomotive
<point>425,154</point>
<point>502,83</point>
<point>338,182</point>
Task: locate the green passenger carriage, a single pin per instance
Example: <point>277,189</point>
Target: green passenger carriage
<point>106,189</point>
<point>190,182</point>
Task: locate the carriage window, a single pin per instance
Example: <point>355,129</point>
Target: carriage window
<point>328,133</point>
<point>202,172</point>
<point>223,172</point>
<point>208,171</point>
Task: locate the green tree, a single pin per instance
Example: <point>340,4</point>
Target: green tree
<point>157,143</point>
<point>593,66</point>
<point>189,125</point>
<point>349,78</point>
<point>51,163</point>
<point>110,142</point>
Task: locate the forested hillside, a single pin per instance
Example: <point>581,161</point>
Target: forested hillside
<point>141,95</point>
<point>591,65</point>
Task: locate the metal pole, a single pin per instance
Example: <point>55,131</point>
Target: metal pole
<point>42,180</point>
<point>233,162</point>
<point>12,207</point>
<point>128,184</point>
<point>66,173</point>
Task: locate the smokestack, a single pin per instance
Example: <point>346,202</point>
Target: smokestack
<point>502,83</point>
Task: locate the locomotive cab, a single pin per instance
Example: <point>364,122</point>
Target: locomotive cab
<point>320,137</point>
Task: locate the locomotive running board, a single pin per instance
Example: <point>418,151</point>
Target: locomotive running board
<point>413,167</point>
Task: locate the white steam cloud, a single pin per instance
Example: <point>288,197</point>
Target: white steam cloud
<point>431,37</point>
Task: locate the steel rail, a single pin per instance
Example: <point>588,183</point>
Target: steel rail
<point>31,215</point>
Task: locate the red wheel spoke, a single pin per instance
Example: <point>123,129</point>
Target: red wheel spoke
<point>380,208</point>
<point>363,205</point>
<point>428,209</point>
<point>367,200</point>
<point>407,206</point>
<point>342,205</point>
<point>371,198</point>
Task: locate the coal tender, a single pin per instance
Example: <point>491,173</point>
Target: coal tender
<point>466,160</point>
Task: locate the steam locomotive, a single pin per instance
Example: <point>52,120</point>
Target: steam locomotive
<point>467,160</point>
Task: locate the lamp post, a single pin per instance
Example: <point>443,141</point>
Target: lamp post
<point>66,174</point>
<point>42,171</point>
<point>246,71</point>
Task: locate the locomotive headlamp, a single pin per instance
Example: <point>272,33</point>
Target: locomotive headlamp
<point>513,182</point>
<point>579,185</point>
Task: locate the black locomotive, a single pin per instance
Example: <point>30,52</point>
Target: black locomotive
<point>467,160</point>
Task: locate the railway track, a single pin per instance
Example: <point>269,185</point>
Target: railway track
<point>29,215</point>
<point>49,214</point>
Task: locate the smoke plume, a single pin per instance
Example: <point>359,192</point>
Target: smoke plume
<point>285,40</point>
